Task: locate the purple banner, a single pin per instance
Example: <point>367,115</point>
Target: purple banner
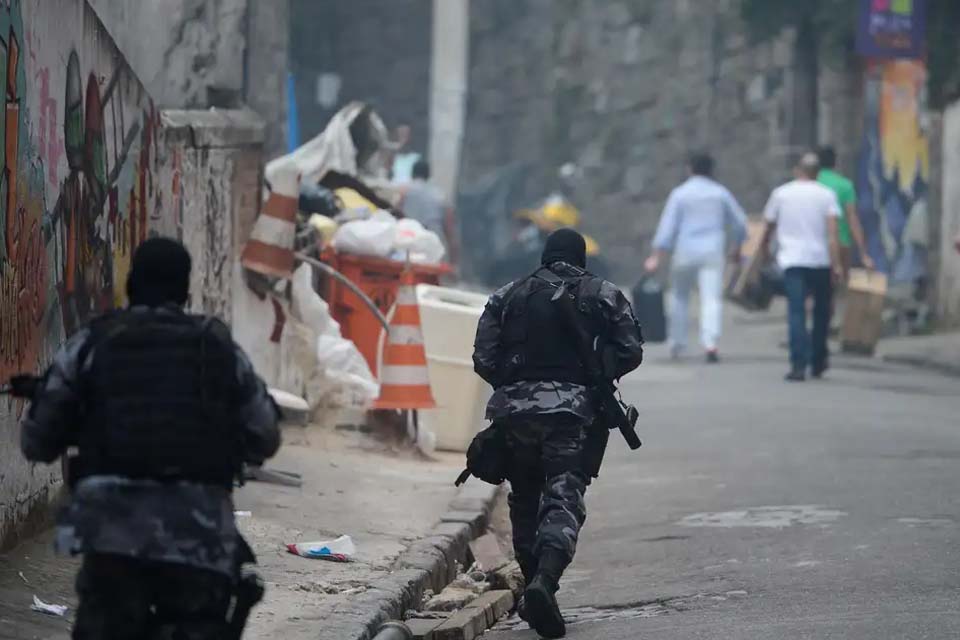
<point>892,29</point>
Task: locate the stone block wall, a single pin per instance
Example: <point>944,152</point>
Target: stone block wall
<point>377,51</point>
<point>626,90</point>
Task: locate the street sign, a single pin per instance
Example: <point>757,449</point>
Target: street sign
<point>892,29</point>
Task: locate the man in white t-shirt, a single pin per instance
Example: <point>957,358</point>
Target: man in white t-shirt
<point>804,216</point>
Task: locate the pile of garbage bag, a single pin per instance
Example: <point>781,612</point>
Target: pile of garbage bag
<point>335,374</point>
<point>383,236</point>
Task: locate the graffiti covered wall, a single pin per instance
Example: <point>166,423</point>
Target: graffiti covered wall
<point>894,172</point>
<point>82,183</point>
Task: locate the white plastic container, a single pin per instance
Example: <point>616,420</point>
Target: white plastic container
<point>449,318</point>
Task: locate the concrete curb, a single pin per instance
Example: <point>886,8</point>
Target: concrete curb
<point>429,563</point>
<point>920,362</point>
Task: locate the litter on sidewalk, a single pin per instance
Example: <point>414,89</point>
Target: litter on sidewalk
<point>48,609</point>
<point>340,550</point>
<point>273,476</point>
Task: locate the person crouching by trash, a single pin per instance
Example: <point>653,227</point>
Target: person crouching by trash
<point>163,409</point>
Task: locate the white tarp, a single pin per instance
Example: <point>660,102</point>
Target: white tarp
<point>332,150</point>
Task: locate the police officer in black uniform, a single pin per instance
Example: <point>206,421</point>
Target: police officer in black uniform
<point>163,408</point>
<point>526,352</point>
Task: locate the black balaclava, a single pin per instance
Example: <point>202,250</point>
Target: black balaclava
<point>160,274</point>
<point>565,245</point>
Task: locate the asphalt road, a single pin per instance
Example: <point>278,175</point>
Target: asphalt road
<point>761,509</point>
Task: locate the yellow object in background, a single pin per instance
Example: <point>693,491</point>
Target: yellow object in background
<point>353,200</point>
<point>553,214</point>
<point>593,249</point>
<point>325,227</point>
<point>557,213</point>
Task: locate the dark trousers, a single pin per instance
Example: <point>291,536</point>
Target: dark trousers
<point>128,599</point>
<point>808,348</point>
<point>547,484</point>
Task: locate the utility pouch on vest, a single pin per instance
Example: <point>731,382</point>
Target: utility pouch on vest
<point>487,456</point>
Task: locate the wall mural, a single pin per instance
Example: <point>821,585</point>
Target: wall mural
<point>79,179</point>
<point>894,170</point>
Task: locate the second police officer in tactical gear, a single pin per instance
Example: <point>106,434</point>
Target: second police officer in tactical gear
<point>163,408</point>
<point>525,350</point>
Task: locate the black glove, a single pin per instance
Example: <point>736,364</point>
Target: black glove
<point>24,386</point>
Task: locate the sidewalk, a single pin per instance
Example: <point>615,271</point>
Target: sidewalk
<point>939,352</point>
<point>384,499</point>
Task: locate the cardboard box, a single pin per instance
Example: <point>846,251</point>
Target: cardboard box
<point>863,320</point>
<point>745,284</point>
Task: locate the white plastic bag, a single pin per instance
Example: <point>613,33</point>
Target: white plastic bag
<point>340,550</point>
<point>371,237</point>
<point>422,245</point>
<point>342,378</point>
<point>308,306</point>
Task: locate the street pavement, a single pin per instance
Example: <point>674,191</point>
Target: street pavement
<point>763,509</point>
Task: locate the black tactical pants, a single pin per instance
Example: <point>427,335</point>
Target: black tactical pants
<point>547,485</point>
<point>123,598</point>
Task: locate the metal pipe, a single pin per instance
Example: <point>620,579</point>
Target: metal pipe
<point>394,631</point>
<point>323,266</point>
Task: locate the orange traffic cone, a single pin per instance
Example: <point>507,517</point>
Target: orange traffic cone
<point>404,379</point>
<point>270,248</point>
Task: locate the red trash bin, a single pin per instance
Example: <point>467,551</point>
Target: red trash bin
<point>380,280</point>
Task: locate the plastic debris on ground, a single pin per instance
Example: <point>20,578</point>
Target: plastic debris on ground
<point>49,609</point>
<point>340,550</point>
<point>288,401</point>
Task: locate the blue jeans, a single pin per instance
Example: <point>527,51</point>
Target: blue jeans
<point>808,348</point>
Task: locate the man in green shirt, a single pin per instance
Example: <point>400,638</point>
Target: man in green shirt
<point>849,227</point>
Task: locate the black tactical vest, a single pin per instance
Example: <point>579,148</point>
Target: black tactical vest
<point>161,402</point>
<point>537,345</point>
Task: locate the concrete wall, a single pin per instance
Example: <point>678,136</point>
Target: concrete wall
<point>267,64</point>
<point>377,51</point>
<point>948,283</point>
<point>180,48</point>
<point>83,182</point>
<point>216,157</point>
<point>196,53</point>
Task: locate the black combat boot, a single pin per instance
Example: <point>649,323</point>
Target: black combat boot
<point>540,600</point>
<point>528,566</point>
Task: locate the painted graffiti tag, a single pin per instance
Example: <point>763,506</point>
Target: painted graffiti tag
<point>66,240</point>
